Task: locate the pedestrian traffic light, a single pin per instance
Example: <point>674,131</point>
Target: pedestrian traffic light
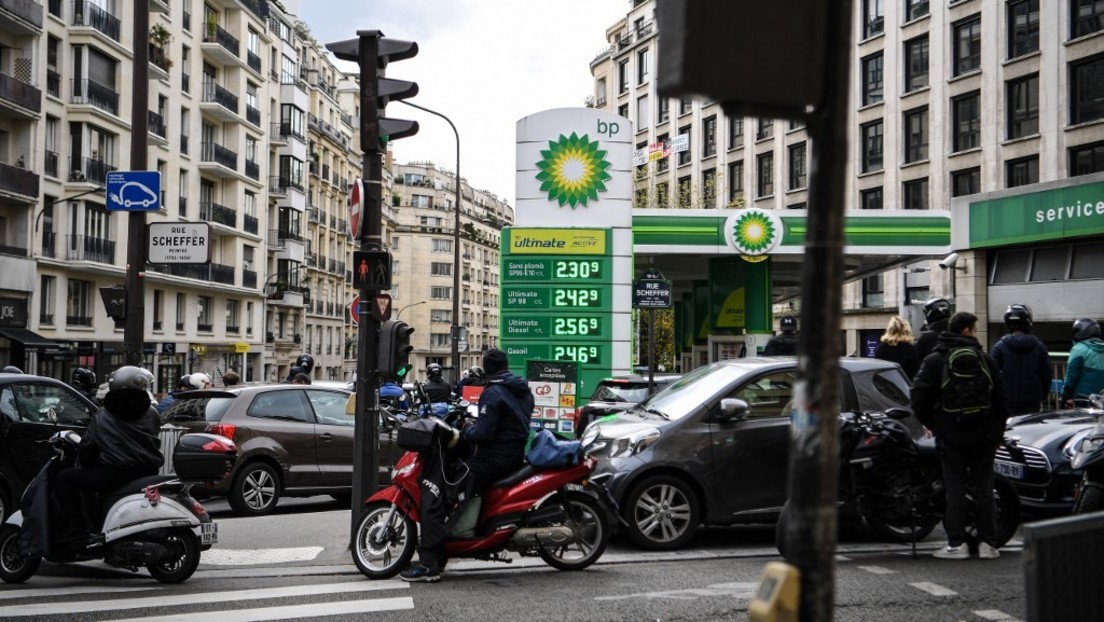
<point>394,349</point>
<point>372,52</point>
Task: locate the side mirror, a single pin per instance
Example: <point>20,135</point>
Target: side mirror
<point>733,409</point>
<point>898,413</point>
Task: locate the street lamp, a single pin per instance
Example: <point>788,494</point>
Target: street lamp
<point>414,304</point>
<point>456,245</point>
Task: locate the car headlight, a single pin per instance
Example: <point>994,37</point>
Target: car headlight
<point>1081,441</point>
<point>590,435</point>
<point>633,444</point>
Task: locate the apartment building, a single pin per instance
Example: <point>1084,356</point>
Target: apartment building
<point>951,104</point>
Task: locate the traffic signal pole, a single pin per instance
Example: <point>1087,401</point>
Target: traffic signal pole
<point>135,322</point>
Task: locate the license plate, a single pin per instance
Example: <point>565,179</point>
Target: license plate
<point>1014,470</point>
<point>208,533</point>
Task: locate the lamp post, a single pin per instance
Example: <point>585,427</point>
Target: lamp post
<point>398,314</point>
<point>455,243</point>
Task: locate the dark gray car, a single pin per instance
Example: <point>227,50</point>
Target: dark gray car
<point>618,394</point>
<point>677,461</point>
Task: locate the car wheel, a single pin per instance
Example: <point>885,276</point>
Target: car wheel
<point>662,512</point>
<point>255,490</point>
<point>1090,499</point>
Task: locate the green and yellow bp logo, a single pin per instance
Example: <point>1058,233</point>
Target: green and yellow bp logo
<point>573,170</point>
<point>753,231</point>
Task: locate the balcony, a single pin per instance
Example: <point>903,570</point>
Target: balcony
<point>249,279</point>
<point>253,170</point>
<point>219,102</point>
<point>50,165</point>
<point>159,6</point>
<point>88,248</point>
<point>13,251</point>
<point>313,214</point>
<point>279,132</point>
<point>211,273</point>
<point>19,99</point>
<point>89,170</point>
<point>53,83</point>
<point>159,62</point>
<point>92,93</point>
<point>218,160</point>
<point>49,244</point>
<point>221,45</point>
<point>278,186</point>
<point>253,60</point>
<point>215,213</point>
<point>253,115</point>
<point>18,183</point>
<point>20,17</point>
<point>88,15</point>
<point>157,130</point>
<point>250,224</point>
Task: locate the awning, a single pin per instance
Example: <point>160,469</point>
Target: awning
<point>29,339</point>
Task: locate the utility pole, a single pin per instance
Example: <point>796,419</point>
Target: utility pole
<point>135,323</point>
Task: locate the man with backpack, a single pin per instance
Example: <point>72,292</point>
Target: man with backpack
<point>959,395</point>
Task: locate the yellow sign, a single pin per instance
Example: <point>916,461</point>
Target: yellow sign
<point>557,242</point>
<point>241,347</point>
<point>200,350</point>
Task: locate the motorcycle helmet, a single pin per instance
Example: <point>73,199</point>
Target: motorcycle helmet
<point>936,309</point>
<point>130,377</point>
<point>84,379</point>
<point>1085,328</point>
<point>434,371</point>
<point>11,369</point>
<point>1018,317</point>
<point>200,380</point>
<point>477,372</point>
<point>788,324</point>
<point>306,362</point>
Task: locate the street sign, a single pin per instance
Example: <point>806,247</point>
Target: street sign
<point>372,269</point>
<point>179,242</point>
<point>651,294</point>
<point>356,209</point>
<point>381,307</point>
<point>354,310</point>
<point>133,191</point>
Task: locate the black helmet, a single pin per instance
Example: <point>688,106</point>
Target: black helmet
<point>11,369</point>
<point>433,370</point>
<point>130,377</point>
<point>936,309</point>
<point>1018,317</point>
<point>83,379</point>
<point>305,361</point>
<point>477,372</point>
<point>1085,328</point>
<point>788,324</point>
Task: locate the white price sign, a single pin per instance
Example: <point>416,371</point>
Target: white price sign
<point>179,242</point>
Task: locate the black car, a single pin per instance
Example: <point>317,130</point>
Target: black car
<point>675,462</point>
<point>618,394</point>
<point>32,408</point>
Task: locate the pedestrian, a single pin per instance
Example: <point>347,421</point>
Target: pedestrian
<point>230,378</point>
<point>895,345</point>
<point>959,395</point>
<point>1085,367</point>
<point>937,312</point>
<point>785,343</point>
<point>1023,361</point>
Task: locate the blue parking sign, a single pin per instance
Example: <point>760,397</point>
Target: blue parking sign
<point>134,191</point>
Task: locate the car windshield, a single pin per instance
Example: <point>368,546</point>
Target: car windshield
<point>620,392</point>
<point>694,389</point>
<point>209,409</point>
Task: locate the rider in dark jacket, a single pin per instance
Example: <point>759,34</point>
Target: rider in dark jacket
<point>437,390</point>
<point>937,313</point>
<point>1024,362</point>
<point>784,343</point>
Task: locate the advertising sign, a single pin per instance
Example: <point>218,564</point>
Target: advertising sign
<point>555,387</point>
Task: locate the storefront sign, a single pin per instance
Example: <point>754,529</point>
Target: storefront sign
<point>13,313</point>
<point>1061,213</point>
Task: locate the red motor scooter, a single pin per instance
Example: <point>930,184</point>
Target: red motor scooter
<point>556,514</point>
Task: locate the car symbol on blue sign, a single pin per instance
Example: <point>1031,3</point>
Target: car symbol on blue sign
<point>134,190</point>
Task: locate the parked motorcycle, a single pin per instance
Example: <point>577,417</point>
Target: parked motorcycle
<point>895,483</point>
<point>1089,458</point>
<point>152,521</point>
<point>556,514</point>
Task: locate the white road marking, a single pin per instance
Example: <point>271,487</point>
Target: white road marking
<point>31,592</point>
<point>287,613</point>
<point>934,589</point>
<point>877,570</point>
<point>994,614</point>
<point>842,558</point>
<point>737,590</point>
<point>174,600</point>
<point>246,557</point>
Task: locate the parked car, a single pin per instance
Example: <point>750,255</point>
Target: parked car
<point>672,463</point>
<point>618,394</point>
<point>1038,459</point>
<point>33,408</point>
<point>293,440</point>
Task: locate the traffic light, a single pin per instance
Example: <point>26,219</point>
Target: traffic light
<point>372,52</point>
<point>394,349</point>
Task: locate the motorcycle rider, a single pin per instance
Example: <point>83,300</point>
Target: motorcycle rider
<point>437,390</point>
<point>785,343</point>
<point>967,439</point>
<point>120,444</point>
<point>304,364</point>
<point>937,313</point>
<point>84,380</point>
<point>182,385</point>
<point>496,440</point>
<point>395,395</point>
<point>1024,361</point>
<point>1085,367</point>
<point>474,377</point>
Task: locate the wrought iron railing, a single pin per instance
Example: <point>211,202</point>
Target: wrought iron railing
<point>88,248</point>
<point>87,14</point>
<point>20,93</point>
<point>95,94</point>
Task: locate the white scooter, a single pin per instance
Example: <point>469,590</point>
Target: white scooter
<point>151,521</point>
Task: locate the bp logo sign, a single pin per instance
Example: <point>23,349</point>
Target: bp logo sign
<point>753,231</point>
<point>573,170</point>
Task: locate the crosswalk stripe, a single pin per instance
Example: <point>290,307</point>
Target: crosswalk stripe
<point>173,600</point>
<point>261,614</point>
<point>934,589</point>
<point>33,592</point>
<point>877,570</point>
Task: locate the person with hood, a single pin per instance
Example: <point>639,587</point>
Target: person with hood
<point>895,345</point>
<point>1085,367</point>
<point>937,313</point>
<point>1024,362</point>
<point>122,443</point>
<point>496,441</point>
<point>785,343</point>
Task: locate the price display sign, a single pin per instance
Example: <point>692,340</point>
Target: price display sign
<point>588,356</point>
<point>557,269</point>
<point>557,297</point>
<point>588,326</point>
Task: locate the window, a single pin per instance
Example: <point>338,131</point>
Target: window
<point>916,194</point>
<point>916,63</point>
<point>78,307</point>
<point>872,146</point>
<point>796,124</point>
<point>1023,27</point>
<point>1023,107</point>
<point>873,292</point>
<point>766,174</point>
<point>437,268</point>
<point>735,132</point>
<point>684,192</point>
<point>1088,261</point>
<point>440,293</point>
<point>736,179</point>
<point>798,175</point>
<point>873,76</point>
<point>663,110</point>
<point>623,111</point>
<point>1050,264</point>
<point>765,129</point>
<point>203,320</point>
<point>1085,159</point>
<point>684,155</point>
<point>440,316</point>
<point>685,105</point>
<point>1023,171</point>
<point>600,93</point>
<point>871,198</point>
<point>291,121</point>
<point>769,396</point>
<point>916,135</point>
<point>233,316</point>
<point>709,188</point>
<point>873,17</point>
<point>642,66</point>
<point>709,137</point>
<point>439,340</point>
<point>1087,90</point>
<point>442,246</point>
<point>967,45</point>
<point>1086,17</point>
<point>966,111</point>
<point>623,76</point>
<point>662,196</point>
<point>46,289</point>
<point>181,313</point>
<point>664,162</point>
<point>966,181</point>
<point>915,9</point>
<point>643,113</point>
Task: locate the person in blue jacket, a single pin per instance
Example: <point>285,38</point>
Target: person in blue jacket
<point>394,394</point>
<point>1085,367</point>
<point>1024,362</point>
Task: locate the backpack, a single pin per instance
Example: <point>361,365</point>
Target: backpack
<point>966,387</point>
<point>546,451</point>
